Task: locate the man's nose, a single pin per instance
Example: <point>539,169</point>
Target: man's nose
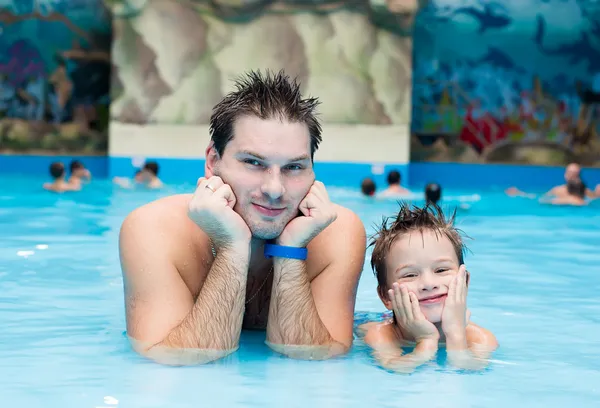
<point>273,184</point>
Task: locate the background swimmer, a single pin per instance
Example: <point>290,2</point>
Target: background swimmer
<point>368,187</point>
<point>394,188</point>
<point>422,278</point>
<point>59,185</point>
<point>79,174</point>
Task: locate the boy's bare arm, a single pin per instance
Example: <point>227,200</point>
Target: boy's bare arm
<point>390,355</point>
<point>472,352</point>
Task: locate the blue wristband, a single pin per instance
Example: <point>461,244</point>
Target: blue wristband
<point>281,251</point>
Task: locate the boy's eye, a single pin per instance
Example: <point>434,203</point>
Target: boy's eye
<point>410,275</point>
<point>441,270</point>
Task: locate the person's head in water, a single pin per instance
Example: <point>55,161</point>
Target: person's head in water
<point>151,167</point>
<point>368,187</point>
<point>77,169</point>
<point>57,170</point>
<point>421,249</point>
<point>572,172</point>
<point>263,138</point>
<point>139,176</point>
<point>394,178</point>
<point>433,193</point>
<point>576,188</point>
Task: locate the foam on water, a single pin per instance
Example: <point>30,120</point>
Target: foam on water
<point>534,283</point>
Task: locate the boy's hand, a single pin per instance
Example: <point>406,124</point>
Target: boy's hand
<point>454,315</point>
<point>409,316</point>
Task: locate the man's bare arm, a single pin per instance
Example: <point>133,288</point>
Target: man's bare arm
<point>313,320</point>
<point>164,322</point>
<point>294,321</point>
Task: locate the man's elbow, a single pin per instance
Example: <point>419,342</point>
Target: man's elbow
<point>310,352</point>
<point>178,356</point>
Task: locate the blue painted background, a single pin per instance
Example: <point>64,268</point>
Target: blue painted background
<point>520,65</point>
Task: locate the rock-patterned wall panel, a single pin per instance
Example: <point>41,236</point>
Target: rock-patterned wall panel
<point>174,59</point>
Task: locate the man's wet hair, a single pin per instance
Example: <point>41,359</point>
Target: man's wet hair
<point>433,193</point>
<point>57,169</point>
<point>394,177</point>
<point>368,187</point>
<point>576,188</point>
<point>266,96</point>
<point>427,218</point>
<point>152,167</point>
<point>75,165</point>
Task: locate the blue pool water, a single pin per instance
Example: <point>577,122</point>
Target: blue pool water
<point>534,283</point>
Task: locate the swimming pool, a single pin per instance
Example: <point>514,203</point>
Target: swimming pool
<point>535,284</point>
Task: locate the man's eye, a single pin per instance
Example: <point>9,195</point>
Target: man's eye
<point>294,167</point>
<point>252,162</point>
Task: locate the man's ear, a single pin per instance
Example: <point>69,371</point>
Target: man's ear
<point>212,157</point>
<point>382,293</point>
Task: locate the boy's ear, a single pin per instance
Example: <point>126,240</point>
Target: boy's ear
<point>384,297</point>
<point>468,277</point>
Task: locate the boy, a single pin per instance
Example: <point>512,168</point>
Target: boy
<point>419,265</point>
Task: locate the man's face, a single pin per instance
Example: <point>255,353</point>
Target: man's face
<point>268,166</point>
<point>572,172</point>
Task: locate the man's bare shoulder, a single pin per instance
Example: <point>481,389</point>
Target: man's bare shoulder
<point>162,232</point>
<point>345,238</point>
<point>347,221</point>
<point>164,210</point>
<point>164,221</point>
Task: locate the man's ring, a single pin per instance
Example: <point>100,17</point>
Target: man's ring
<point>210,188</point>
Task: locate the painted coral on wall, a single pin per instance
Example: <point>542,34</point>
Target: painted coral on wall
<point>514,81</point>
<point>54,76</point>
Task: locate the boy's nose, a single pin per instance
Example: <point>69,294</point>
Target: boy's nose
<point>429,281</point>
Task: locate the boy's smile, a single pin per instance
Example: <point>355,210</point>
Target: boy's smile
<point>425,263</point>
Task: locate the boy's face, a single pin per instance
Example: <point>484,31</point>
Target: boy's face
<point>425,263</point>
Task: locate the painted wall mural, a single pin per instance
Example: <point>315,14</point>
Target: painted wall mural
<point>175,59</point>
<point>514,81</point>
<point>54,76</point>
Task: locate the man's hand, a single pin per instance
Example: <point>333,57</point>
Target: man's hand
<point>409,316</point>
<point>454,315</point>
<point>318,212</point>
<point>211,208</point>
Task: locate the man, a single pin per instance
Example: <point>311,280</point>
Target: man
<point>572,174</point>
<point>394,187</point>
<point>258,245</point>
